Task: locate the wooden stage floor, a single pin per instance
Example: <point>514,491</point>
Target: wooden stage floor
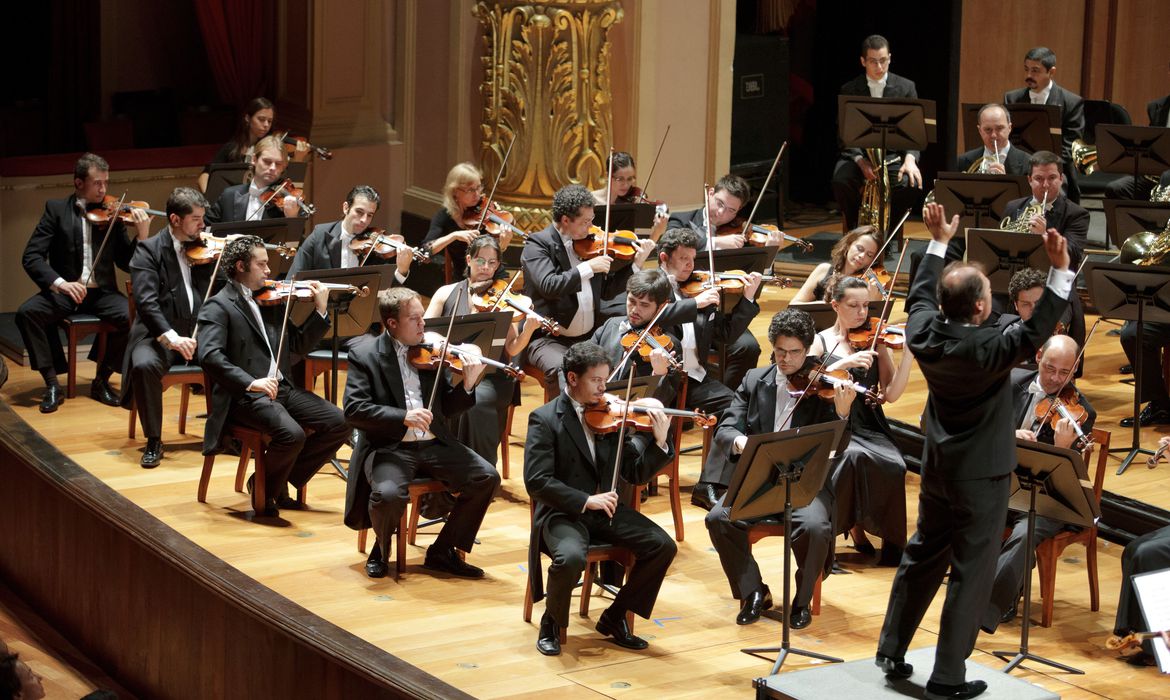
<point>471,634</point>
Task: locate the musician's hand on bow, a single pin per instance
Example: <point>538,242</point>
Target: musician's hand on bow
<point>266,386</point>
<point>73,290</point>
<point>185,347</point>
<point>1057,248</point>
<point>935,218</point>
<point>601,264</point>
<point>910,171</point>
<point>418,419</point>
<point>606,502</point>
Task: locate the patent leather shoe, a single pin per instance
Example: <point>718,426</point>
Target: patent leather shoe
<point>1152,414</point>
<point>941,691</point>
<point>614,626</point>
<point>101,392</point>
<point>53,397</point>
<point>893,668</point>
<point>376,566</point>
<point>704,496</point>
<point>799,617</point>
<point>753,606</point>
<point>153,454</point>
<point>548,642</point>
<point>447,560</point>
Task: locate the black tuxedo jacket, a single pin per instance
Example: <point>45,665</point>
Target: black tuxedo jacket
<point>1065,216</point>
<point>232,205</point>
<point>1072,113</point>
<point>1021,399</point>
<point>321,250</point>
<point>553,282</point>
<point>1157,110</point>
<point>896,86</point>
<point>609,336</point>
<point>56,245</point>
<point>753,411</point>
<point>968,417</point>
<point>232,350</point>
<point>1016,162</point>
<point>560,473</point>
<point>694,221</point>
<point>375,403</point>
<point>711,325</point>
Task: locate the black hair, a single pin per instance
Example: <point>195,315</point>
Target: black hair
<point>183,201</point>
<point>87,161</point>
<point>1025,279</point>
<point>676,238</point>
<point>1045,158</point>
<point>582,356</point>
<point>792,323</point>
<point>844,284</point>
<point>364,191</point>
<point>9,681</point>
<point>240,249</point>
<point>874,42</point>
<point>957,298</point>
<point>735,186</point>
<point>650,283</point>
<point>1043,55</point>
<point>243,137</point>
<point>620,159</point>
<point>569,201</point>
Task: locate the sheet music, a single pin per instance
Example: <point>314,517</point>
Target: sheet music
<point>1151,591</point>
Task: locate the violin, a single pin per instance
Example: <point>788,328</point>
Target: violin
<point>291,142</point>
<point>207,249</point>
<point>273,292</point>
<point>892,335</point>
<point>636,195</point>
<point>606,416</point>
<point>1066,405</point>
<point>656,339</point>
<point>1134,639</point>
<point>879,278</point>
<point>99,213</point>
<point>495,222</point>
<point>823,384</point>
<point>759,234</point>
<point>374,241</point>
<point>730,282</point>
<point>619,245</point>
<point>277,192</point>
<point>1157,456</point>
<point>498,295</point>
<point>428,355</point>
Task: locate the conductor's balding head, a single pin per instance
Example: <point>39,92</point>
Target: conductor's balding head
<point>964,294</point>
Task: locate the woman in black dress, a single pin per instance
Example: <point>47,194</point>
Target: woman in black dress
<point>255,124</point>
<point>449,226</point>
<point>850,257</point>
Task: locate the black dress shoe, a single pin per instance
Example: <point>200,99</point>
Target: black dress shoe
<point>101,392</point>
<point>1008,615</point>
<point>548,641</point>
<point>704,496</point>
<point>1125,369</point>
<point>270,510</point>
<point>287,502</point>
<point>1152,414</point>
<point>893,668</point>
<point>799,617</point>
<point>618,631</point>
<point>153,454</point>
<point>941,691</point>
<point>753,606</point>
<point>376,566</point>
<point>53,397</point>
<point>446,560</point>
<point>891,555</point>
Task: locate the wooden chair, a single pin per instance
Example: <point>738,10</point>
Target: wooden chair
<point>1048,552</point>
<point>407,525</point>
<point>321,362</point>
<point>670,471</point>
<point>594,556</point>
<point>78,326</point>
<point>550,392</point>
<point>252,442</point>
<point>185,376</point>
<point>768,528</point>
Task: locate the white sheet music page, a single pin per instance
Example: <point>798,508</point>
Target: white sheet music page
<point>1152,593</point>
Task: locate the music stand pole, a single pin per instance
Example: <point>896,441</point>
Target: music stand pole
<point>1135,447</point>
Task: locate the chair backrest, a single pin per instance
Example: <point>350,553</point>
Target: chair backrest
<point>1101,444</point>
<point>1102,112</point>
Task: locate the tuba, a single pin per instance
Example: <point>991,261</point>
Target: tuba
<point>1161,193</point>
<point>871,203</point>
<point>1084,157</point>
<point>1146,247</point>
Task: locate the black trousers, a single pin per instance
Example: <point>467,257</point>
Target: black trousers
<point>1123,188</point>
<point>391,469</point>
<point>546,352</point>
<point>848,182</point>
<point>1009,570</point>
<point>712,397</point>
<point>960,525</point>
<point>149,361</point>
<point>292,457</point>
<point>39,320</point>
<point>1150,552</point>
<point>743,354</point>
<point>568,543</point>
<point>1155,336</point>
<point>812,543</point>
<point>482,426</point>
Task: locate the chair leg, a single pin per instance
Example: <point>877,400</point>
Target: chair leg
<point>310,378</point>
<point>1046,569</point>
<point>816,601</point>
<point>132,430</point>
<point>71,372</point>
<point>184,402</point>
<point>504,447</point>
<point>400,544</point>
<point>362,534</point>
<point>205,477</point>
<point>586,588</point>
<point>242,468</point>
<point>527,599</point>
<point>676,501</point>
<point>259,497</point>
<point>412,527</point>
<point>303,495</point>
<point>1091,567</point>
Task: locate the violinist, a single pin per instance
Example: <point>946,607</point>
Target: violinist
<point>455,223</point>
<point>255,124</point>
<point>246,202</point>
<point>1055,361</point>
<point>763,404</point>
<point>700,323</point>
<point>724,202</point>
<point>869,481</point>
<point>566,288</point>
<point>481,427</point>
<point>330,245</point>
<point>168,292</point>
<point>67,260</point>
<point>403,421</point>
<point>569,474</point>
<point>623,190</point>
<point>647,292</point>
<point>852,256</point>
<point>1024,290</point>
<point>245,351</point>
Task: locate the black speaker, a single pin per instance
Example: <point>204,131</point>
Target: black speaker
<point>759,112</point>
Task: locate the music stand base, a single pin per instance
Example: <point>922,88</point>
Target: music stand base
<point>783,652</point>
<point>341,471</point>
<point>1129,458</point>
<point>1019,657</point>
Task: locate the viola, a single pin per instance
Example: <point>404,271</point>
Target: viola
<point>1066,405</point>
<point>1134,639</point>
<point>879,278</point>
<point>619,245</point>
<point>429,354</point>
<point>495,222</point>
<point>606,416</point>
<point>374,241</point>
<point>273,292</point>
<point>636,195</point>
<point>892,335</point>
<point>207,249</point>
<point>759,234</point>
<point>730,282</point>
<point>1157,456</point>
<point>277,192</point>
<point>656,339</point>
<point>498,295</point>
<point>291,142</point>
<point>100,213</point>
<point>823,384</point>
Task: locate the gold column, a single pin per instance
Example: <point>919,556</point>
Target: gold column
<point>547,85</point>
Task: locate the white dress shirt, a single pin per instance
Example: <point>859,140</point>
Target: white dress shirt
<point>590,439</point>
<point>1035,396</point>
<point>254,205</point>
<point>1002,156</point>
<point>1041,97</point>
<point>348,257</point>
<point>877,87</point>
<point>583,321</point>
<point>273,369</point>
<point>412,390</point>
<point>690,351</point>
<point>86,249</point>
<point>171,336</point>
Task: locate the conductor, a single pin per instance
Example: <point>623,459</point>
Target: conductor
<point>969,452</point>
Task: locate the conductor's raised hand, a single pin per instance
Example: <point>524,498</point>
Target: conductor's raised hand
<point>935,218</point>
<point>1057,248</point>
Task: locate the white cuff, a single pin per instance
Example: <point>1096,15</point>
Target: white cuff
<point>1061,281</point>
<point>169,338</point>
<point>936,248</point>
<point>400,278</point>
<point>56,283</point>
<point>585,270</point>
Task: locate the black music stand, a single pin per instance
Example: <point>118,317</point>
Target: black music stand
<point>748,258</point>
<point>1131,293</point>
<point>279,230</point>
<point>1125,217</point>
<point>979,200</point>
<point>1052,482</point>
<point>1003,253</point>
<point>625,216</point>
<point>221,176</point>
<point>1036,127</point>
<point>1133,150</point>
<point>900,124</point>
<point>488,331</point>
<point>778,472</point>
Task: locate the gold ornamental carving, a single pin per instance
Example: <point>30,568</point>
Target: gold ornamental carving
<point>546,85</point>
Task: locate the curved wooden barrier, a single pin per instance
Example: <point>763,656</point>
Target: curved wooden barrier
<point>159,614</point>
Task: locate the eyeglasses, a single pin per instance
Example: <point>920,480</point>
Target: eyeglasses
<point>720,204</point>
<point>877,61</point>
<point>788,353</point>
<point>486,262</point>
<point>631,179</point>
<point>478,189</point>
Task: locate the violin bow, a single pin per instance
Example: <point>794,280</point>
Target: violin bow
<point>878,256</point>
<point>634,348</point>
<point>608,205</point>
<point>653,165</point>
<point>284,324</point>
<point>500,297</point>
<point>710,236</point>
<point>443,352</point>
<point>617,461</point>
<point>889,295</point>
<point>1069,378</point>
<point>109,233</point>
<point>747,225</point>
<point>260,210</point>
<point>210,282</point>
<point>499,174</point>
<point>803,394</point>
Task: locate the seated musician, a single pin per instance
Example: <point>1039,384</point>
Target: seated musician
<point>997,156</point>
<point>569,474</point>
<point>244,202</point>
<point>168,292</point>
<point>1041,89</point>
<point>855,167</point>
<point>869,481</point>
<point>566,288</point>
<point>1056,360</point>
<point>725,201</point>
<point>851,256</point>
<point>405,437</point>
<point>482,426</point>
<point>1155,337</point>
<point>255,124</point>
<point>239,347</point>
<point>1150,552</point>
<point>647,291</point>
<point>1025,288</point>
<point>1158,112</point>
<point>623,190</point>
<point>454,225</point>
<point>763,404</point>
<point>329,247</point>
<point>62,259</point>
<point>700,322</point>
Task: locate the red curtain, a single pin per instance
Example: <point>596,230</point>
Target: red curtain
<point>238,35</point>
